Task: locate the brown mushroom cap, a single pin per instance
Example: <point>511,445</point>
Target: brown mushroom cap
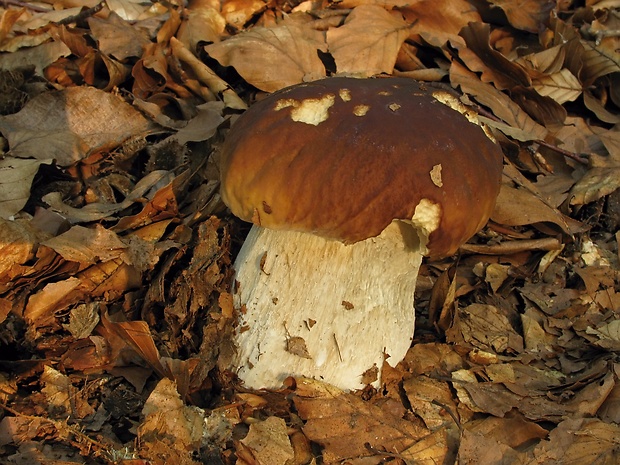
<point>343,157</point>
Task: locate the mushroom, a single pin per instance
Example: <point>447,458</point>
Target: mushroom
<point>348,183</point>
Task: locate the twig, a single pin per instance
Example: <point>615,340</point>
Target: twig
<point>82,15</point>
<point>28,6</point>
<point>566,153</point>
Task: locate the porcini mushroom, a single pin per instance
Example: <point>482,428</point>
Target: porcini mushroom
<point>349,183</point>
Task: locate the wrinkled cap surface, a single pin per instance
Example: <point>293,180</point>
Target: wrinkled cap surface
<point>342,158</point>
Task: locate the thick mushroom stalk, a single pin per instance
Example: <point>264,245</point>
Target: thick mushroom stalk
<point>322,309</point>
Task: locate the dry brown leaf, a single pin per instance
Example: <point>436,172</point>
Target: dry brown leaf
<point>239,12</point>
<point>597,107</point>
<point>273,58</point>
<point>532,209</point>
<point>16,176</point>
<point>368,42</point>
<point>268,442</point>
<point>602,177</point>
<point>438,21</point>
<point>62,398</point>
<point>202,126</point>
<point>581,442</point>
<point>18,245</point>
<point>347,427</point>
<point>40,56</point>
<point>118,38</point>
<point>562,86</point>
<point>207,76</point>
<point>202,22</point>
<point>432,400</point>
<point>599,60</point>
<point>169,421</point>
<point>137,335</point>
<point>518,124</point>
<point>85,245</point>
<point>70,124</point>
<point>485,327</point>
<point>527,15</point>
<point>479,56</point>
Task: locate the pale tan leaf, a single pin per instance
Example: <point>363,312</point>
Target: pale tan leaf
<point>562,86</point>
<point>238,12</point>
<point>202,23</point>
<point>269,441</point>
<point>18,245</point>
<point>548,61</point>
<point>40,56</point>
<point>70,124</point>
<point>532,209</point>
<point>86,245</point>
<point>168,420</point>
<point>369,41</point>
<point>580,441</point>
<point>598,61</point>
<point>608,334</point>
<point>597,107</point>
<point>518,123</point>
<point>83,319</point>
<point>438,21</point>
<point>602,177</point>
<point>273,58</point>
<point>16,176</point>
<point>118,38</point>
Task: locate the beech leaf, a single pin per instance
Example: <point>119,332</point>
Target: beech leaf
<point>16,176</point>
<point>369,41</point>
<point>562,86</point>
<point>273,58</point>
<point>70,124</point>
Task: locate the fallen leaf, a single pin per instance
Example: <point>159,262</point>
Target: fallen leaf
<point>269,442</point>
<point>562,86</point>
<point>85,245</point>
<point>347,427</point>
<point>527,15</point>
<point>368,42</point>
<point>117,37</point>
<point>16,176</point>
<point>273,58</point>
<point>517,123</point>
<point>602,177</point>
<point>438,21</point>
<point>70,124</point>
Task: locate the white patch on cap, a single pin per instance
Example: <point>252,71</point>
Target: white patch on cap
<point>436,175</point>
<point>394,106</point>
<point>345,94</point>
<point>310,111</point>
<point>360,110</point>
<point>450,100</point>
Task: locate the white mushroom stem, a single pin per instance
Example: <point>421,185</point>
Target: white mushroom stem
<point>317,308</point>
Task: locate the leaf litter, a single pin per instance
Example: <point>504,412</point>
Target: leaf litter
<point>116,250</point>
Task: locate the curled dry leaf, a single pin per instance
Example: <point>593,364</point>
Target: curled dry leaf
<point>70,124</point>
<point>273,58</point>
<point>515,123</point>
<point>369,41</point>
